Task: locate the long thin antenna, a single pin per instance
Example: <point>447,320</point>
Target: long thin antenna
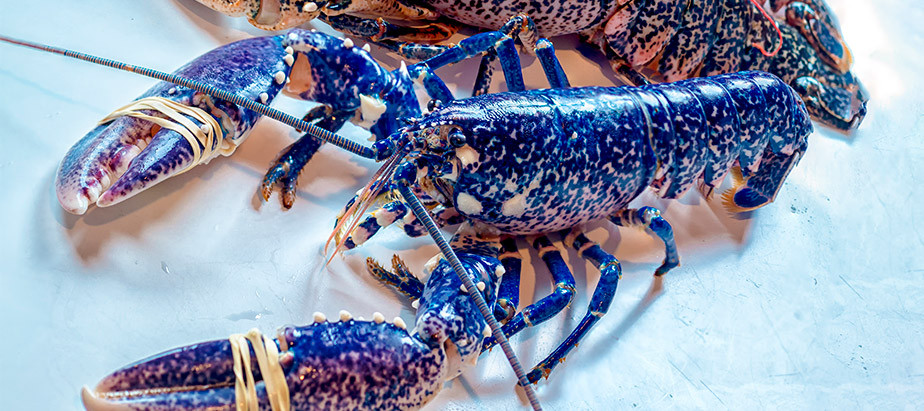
<point>418,209</point>
<point>263,109</point>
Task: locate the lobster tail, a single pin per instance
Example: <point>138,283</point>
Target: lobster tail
<point>788,128</point>
<point>701,128</point>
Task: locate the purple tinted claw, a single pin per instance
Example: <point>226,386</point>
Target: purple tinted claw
<point>327,365</point>
<point>127,155</point>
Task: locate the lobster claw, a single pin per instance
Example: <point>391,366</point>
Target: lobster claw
<point>269,14</point>
<point>118,159</point>
<point>821,34</point>
<point>329,365</point>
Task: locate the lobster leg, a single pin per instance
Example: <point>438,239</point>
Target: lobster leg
<point>549,306</point>
<point>508,294</point>
<point>379,29</point>
<point>285,170</point>
<point>401,279</point>
<point>501,44</point>
<point>610,273</point>
<point>396,211</point>
<point>445,216</point>
<point>649,219</point>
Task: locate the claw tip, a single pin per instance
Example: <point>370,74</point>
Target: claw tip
<point>78,206</point>
<point>93,402</point>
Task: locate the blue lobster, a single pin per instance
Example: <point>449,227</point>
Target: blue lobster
<point>644,40</point>
<point>535,162</point>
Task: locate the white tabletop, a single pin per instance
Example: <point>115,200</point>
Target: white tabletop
<point>816,301</point>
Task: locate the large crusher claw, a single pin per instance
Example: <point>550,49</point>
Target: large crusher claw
<point>348,364</point>
<point>122,157</point>
<point>344,363</point>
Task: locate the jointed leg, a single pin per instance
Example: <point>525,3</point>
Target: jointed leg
<point>649,219</point>
<point>547,307</point>
<point>285,170</point>
<point>378,29</point>
<point>508,293</point>
<point>401,279</point>
<point>610,272</point>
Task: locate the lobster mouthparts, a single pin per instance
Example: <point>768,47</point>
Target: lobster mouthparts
<point>349,364</point>
<point>117,160</point>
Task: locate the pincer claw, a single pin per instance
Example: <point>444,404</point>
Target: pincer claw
<point>330,365</point>
<point>170,129</point>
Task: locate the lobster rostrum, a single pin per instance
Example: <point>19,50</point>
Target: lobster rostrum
<point>645,40</point>
<point>516,163</point>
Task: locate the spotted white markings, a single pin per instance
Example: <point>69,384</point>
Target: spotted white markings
<point>515,206</point>
<point>370,110</point>
<point>467,204</point>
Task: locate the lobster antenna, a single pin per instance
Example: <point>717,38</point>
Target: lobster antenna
<point>421,213</point>
<point>263,109</point>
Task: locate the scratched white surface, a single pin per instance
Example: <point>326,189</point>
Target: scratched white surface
<point>816,301</point>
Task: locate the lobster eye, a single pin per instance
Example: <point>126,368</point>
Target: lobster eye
<point>383,149</point>
<point>434,105</point>
<point>457,138</point>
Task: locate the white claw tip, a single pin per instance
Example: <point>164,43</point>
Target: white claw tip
<point>290,50</point>
<point>280,77</point>
<point>400,323</point>
<point>172,90</point>
<point>378,317</point>
<point>345,315</point>
<point>500,270</point>
<point>90,400</point>
<point>366,47</point>
<point>415,304</point>
<point>319,317</point>
<point>480,286</point>
<point>310,7</point>
<point>289,59</point>
<point>347,43</point>
<point>487,331</point>
<point>463,289</point>
<point>264,98</point>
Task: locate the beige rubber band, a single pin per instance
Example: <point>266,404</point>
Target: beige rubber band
<point>245,392</point>
<point>201,139</point>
